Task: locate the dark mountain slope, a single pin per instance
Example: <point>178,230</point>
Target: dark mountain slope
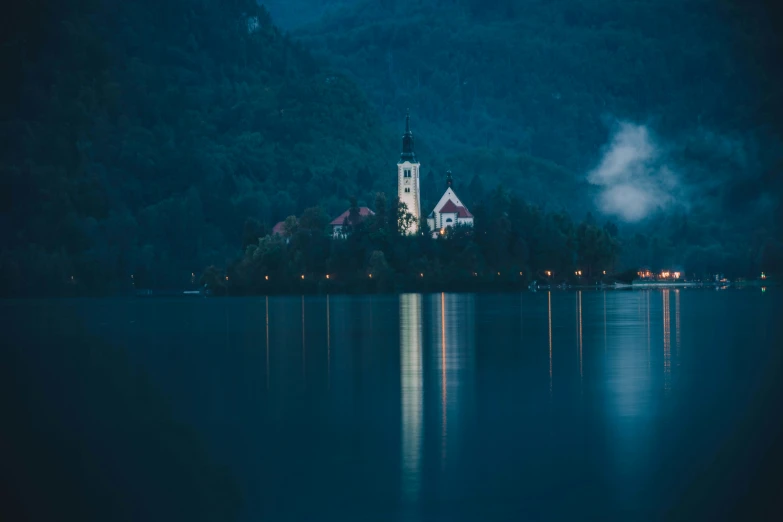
<point>541,76</point>
<point>548,79</point>
<point>137,137</point>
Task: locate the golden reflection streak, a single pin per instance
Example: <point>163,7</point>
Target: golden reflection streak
<point>647,292</point>
<point>328,348</point>
<point>604,322</point>
<point>411,393</point>
<point>579,309</point>
<point>667,368</point>
<point>677,319</point>
<point>549,307</point>
<point>443,374</point>
<point>267,342</point>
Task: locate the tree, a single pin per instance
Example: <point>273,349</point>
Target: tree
<point>354,215</point>
<point>314,220</point>
<point>405,220</point>
<point>475,189</point>
<point>252,231</point>
<point>290,226</point>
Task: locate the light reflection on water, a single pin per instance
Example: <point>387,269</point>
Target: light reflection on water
<point>667,342</point>
<point>452,406</point>
<point>411,393</point>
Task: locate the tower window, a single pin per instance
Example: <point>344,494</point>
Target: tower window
<point>407,189</point>
<point>407,173</point>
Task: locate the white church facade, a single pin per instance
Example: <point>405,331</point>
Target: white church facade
<point>449,211</point>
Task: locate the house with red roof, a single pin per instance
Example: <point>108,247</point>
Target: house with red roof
<point>449,211</point>
<point>340,224</point>
<point>279,229</point>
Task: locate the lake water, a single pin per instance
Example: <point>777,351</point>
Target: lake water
<point>619,405</point>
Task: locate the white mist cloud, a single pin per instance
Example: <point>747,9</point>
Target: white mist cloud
<point>632,175</point>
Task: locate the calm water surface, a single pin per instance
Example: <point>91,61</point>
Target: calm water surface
<point>643,405</point>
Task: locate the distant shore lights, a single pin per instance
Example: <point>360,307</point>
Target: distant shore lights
<point>665,274</point>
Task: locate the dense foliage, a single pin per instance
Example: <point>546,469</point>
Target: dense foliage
<point>138,137</point>
<point>512,243</point>
<point>527,93</point>
<point>540,76</point>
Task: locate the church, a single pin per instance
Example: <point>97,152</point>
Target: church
<point>449,211</point>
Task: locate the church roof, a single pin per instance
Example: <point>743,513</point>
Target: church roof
<point>407,142</point>
<point>449,208</point>
<point>363,213</point>
<point>464,213</point>
<point>452,208</point>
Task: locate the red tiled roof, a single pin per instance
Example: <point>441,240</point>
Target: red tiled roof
<point>279,229</point>
<point>363,213</point>
<point>463,212</point>
<point>451,208</point>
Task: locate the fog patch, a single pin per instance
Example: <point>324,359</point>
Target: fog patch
<point>633,176</point>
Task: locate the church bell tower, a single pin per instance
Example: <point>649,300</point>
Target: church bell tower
<point>408,189</point>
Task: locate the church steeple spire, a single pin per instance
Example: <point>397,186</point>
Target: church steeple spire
<point>407,141</point>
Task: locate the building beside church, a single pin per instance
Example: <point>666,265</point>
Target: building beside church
<point>449,211</point>
<point>408,187</point>
<point>341,224</point>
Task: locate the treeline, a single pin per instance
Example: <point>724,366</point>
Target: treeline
<point>512,243</point>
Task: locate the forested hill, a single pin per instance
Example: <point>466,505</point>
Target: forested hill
<point>531,80</point>
<point>291,14</point>
<point>137,137</point>
<point>681,96</point>
<point>541,76</point>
